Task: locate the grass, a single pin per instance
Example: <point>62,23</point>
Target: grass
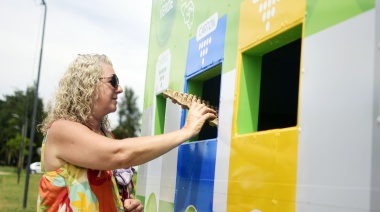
<point>12,194</point>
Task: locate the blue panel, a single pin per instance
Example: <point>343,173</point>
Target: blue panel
<point>195,175</point>
<point>208,50</point>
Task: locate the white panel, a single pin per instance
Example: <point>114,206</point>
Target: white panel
<point>141,180</point>
<point>307,207</point>
<point>162,71</point>
<point>169,160</point>
<point>375,197</point>
<point>336,112</point>
<point>153,178</point>
<point>146,129</point>
<point>147,124</point>
<point>172,116</point>
<point>154,166</point>
<point>226,106</point>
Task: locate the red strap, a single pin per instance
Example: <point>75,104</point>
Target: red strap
<point>50,125</point>
<point>113,136</point>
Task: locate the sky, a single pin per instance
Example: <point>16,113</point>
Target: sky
<point>117,28</point>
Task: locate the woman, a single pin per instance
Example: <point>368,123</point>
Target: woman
<point>78,152</point>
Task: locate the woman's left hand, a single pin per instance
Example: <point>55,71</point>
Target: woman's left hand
<point>133,205</point>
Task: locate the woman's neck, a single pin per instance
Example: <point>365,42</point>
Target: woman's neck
<point>96,127</point>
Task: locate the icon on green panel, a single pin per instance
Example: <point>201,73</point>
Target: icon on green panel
<point>151,205</point>
<point>191,208</point>
<point>166,10</point>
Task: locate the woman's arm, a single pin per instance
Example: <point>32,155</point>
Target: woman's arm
<point>75,143</point>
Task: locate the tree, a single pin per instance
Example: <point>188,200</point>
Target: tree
<point>12,148</point>
<point>129,116</point>
<point>13,110</point>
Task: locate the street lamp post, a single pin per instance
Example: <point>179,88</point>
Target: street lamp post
<point>32,128</point>
<point>21,152</point>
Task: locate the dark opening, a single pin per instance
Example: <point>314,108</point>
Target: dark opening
<point>279,87</point>
<point>211,93</point>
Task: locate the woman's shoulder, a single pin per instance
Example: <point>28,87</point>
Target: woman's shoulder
<point>65,130</point>
<point>64,122</point>
<point>65,126</point>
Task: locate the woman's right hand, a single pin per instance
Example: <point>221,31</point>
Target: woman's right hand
<point>197,115</point>
<point>133,205</point>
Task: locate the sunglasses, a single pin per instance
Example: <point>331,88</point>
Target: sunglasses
<point>114,80</point>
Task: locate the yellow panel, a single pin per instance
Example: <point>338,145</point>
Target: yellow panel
<point>251,175</point>
<point>260,19</point>
<point>263,165</point>
<point>286,169</point>
<point>262,171</point>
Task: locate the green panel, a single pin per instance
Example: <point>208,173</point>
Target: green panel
<point>160,115</point>
<point>249,94</point>
<point>149,77</point>
<point>322,14</point>
<point>232,33</point>
<point>208,74</point>
<point>165,206</point>
<point>141,198</point>
<point>195,87</point>
<point>151,205</point>
<point>276,42</point>
<point>175,35</point>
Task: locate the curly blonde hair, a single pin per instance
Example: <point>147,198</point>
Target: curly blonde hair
<point>77,92</point>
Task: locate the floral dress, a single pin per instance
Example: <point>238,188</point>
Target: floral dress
<point>73,188</point>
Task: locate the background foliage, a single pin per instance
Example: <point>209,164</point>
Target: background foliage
<point>15,114</point>
<point>129,116</point>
